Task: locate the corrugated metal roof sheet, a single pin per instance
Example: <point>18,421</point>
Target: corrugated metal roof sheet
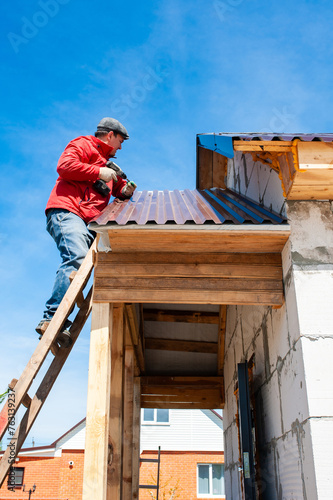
<point>258,136</point>
<point>210,206</point>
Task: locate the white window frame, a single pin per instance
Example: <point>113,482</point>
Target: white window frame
<point>208,495</point>
<point>153,422</point>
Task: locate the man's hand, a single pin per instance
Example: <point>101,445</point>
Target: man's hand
<point>107,174</point>
<point>129,189</point>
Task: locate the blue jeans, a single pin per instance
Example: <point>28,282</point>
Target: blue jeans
<point>73,240</point>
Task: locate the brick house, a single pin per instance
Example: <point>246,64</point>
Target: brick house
<point>192,459</point>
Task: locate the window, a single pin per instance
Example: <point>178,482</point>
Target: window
<point>15,477</point>
<point>211,480</point>
<point>155,416</point>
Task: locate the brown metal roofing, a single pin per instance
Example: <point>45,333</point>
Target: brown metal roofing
<point>209,206</point>
<point>257,136</point>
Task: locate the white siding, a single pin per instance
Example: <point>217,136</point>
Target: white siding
<point>75,439</point>
<point>188,430</point>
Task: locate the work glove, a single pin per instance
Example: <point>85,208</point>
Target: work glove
<point>107,174</point>
<point>129,189</point>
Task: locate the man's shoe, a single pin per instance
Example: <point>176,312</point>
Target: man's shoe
<point>64,337</point>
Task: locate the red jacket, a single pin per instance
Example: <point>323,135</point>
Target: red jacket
<point>78,169</point>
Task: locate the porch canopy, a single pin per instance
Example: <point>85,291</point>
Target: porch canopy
<point>176,259</point>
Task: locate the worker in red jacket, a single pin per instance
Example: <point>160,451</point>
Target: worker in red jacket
<point>75,201</point>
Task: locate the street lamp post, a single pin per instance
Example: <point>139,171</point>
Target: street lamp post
<point>31,491</point>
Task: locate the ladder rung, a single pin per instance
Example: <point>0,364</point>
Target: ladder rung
<point>149,460</point>
<point>148,486</point>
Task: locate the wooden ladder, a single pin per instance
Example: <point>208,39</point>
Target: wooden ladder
<point>19,388</point>
<point>157,461</point>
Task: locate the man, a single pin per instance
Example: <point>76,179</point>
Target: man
<point>75,200</point>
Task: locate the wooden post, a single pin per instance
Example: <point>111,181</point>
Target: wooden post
<point>136,437</point>
<point>116,405</point>
<point>103,448</point>
<point>128,423</point>
<point>97,445</point>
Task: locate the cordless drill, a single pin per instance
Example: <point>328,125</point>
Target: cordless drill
<point>101,186</point>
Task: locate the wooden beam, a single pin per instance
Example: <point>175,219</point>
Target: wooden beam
<point>128,424</point>
<point>211,169</point>
<point>181,345</point>
<point>98,453</point>
<point>114,484</point>
<point>136,336</point>
<point>208,405</point>
<point>189,290</point>
<point>221,339</point>
<point>182,392</point>
<point>271,146</point>
<point>136,437</point>
<point>161,258</point>
<point>251,240</point>
<point>190,297</point>
<point>174,316</point>
<point>315,155</point>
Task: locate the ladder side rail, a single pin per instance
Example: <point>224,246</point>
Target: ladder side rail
<point>43,391</point>
<point>157,485</point>
<point>44,345</point>
<point>158,471</point>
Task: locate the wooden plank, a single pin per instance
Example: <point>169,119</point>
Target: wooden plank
<point>44,345</point>
<point>271,146</point>
<point>114,479</point>
<point>97,444</point>
<point>43,390</point>
<point>204,168</point>
<point>181,345</point>
<point>284,174</point>
<point>311,193</point>
<point>269,240</point>
<point>184,283</point>
<point>179,381</point>
<point>209,405</point>
<point>174,316</point>
<point>189,270</point>
<point>219,169</point>
<point>134,330</point>
<point>136,437</point>
<point>221,339</point>
<point>128,423</point>
<point>315,155</point>
<point>173,296</point>
<point>183,394</point>
<point>175,258</point>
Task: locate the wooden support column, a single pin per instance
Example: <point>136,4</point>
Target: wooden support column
<point>136,437</point>
<point>128,423</point>
<point>116,405</point>
<point>103,448</point>
<point>97,446</point>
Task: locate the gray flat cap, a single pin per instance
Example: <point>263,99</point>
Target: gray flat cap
<point>111,124</point>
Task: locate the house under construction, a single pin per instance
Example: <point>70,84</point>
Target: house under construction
<point>218,297</point>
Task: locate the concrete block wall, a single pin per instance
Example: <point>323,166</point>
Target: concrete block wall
<point>293,370</point>
<point>256,181</point>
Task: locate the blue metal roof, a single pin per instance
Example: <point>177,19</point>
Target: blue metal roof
<point>209,206</point>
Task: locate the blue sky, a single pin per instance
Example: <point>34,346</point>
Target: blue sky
<point>168,70</point>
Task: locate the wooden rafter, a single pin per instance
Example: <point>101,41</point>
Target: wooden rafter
<point>175,316</point>
<point>181,345</point>
<point>182,392</point>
